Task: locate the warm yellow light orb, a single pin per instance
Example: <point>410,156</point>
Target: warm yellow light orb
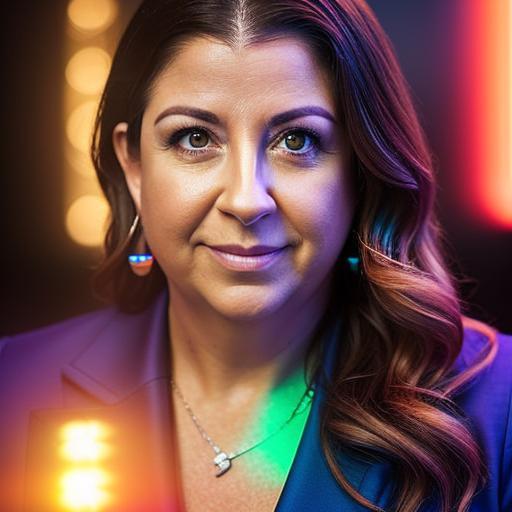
<point>92,15</point>
<point>84,441</point>
<point>84,489</point>
<point>87,70</point>
<point>86,220</point>
<point>80,124</point>
<point>81,163</point>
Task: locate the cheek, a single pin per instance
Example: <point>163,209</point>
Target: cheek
<point>172,201</point>
<point>323,214</point>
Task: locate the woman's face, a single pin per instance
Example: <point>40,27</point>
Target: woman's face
<point>243,171</point>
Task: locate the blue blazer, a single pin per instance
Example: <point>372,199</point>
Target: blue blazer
<point>114,367</point>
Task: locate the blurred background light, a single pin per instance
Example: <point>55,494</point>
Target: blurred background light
<point>84,489</point>
<point>87,70</point>
<point>84,441</point>
<point>485,79</point>
<point>86,219</point>
<point>80,162</point>
<point>79,125</point>
<point>92,15</point>
<point>92,29</point>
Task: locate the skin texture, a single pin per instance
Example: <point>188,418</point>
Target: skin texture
<point>238,339</point>
<point>236,336</point>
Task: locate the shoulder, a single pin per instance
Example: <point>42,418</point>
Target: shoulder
<point>486,402</point>
<point>96,338</point>
<point>490,353</point>
<point>63,337</point>
<point>487,353</point>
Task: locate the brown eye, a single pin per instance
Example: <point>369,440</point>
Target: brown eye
<point>295,141</point>
<point>198,139</point>
<point>189,141</point>
<point>301,143</point>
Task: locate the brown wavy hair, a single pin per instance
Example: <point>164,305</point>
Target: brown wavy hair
<point>392,390</point>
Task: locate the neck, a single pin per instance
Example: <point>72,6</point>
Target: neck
<point>219,360</point>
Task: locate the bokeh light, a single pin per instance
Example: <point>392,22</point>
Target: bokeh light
<point>83,445</point>
<point>84,441</point>
<point>79,125</point>
<point>80,162</point>
<point>87,70</point>
<point>92,15</point>
<point>86,220</point>
<point>84,489</point>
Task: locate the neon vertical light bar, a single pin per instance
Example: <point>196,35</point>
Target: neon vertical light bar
<point>486,121</point>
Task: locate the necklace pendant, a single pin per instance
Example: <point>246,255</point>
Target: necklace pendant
<point>222,461</point>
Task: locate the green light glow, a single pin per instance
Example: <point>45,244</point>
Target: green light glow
<point>268,464</point>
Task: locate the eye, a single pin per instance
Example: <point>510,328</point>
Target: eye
<point>195,137</point>
<point>297,140</point>
<point>301,142</point>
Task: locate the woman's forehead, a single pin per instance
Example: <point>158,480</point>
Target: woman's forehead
<point>208,70</point>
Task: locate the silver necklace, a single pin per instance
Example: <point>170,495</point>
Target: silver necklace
<point>222,459</point>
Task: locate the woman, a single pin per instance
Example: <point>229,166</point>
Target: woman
<point>284,333</point>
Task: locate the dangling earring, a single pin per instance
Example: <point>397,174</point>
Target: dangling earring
<point>141,260</point>
<point>353,263</point>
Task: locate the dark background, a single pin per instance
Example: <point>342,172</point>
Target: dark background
<point>46,276</point>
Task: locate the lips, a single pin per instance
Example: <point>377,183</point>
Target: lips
<point>247,263</point>
<point>255,250</point>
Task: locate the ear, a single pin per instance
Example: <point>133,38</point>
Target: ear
<point>131,167</point>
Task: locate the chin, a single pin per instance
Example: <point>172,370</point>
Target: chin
<point>242,303</point>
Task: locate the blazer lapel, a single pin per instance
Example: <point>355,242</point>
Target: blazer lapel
<point>119,382</point>
<point>131,351</point>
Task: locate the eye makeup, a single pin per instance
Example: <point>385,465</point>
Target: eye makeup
<point>313,141</point>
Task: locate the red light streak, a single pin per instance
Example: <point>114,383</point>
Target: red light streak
<point>485,153</point>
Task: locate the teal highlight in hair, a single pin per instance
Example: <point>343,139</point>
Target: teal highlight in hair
<point>384,230</point>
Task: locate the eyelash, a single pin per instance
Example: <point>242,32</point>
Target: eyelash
<point>173,140</point>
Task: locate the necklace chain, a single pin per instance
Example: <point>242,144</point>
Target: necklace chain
<point>223,460</point>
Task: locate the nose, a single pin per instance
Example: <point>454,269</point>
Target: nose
<point>246,192</point>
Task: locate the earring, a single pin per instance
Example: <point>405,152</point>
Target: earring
<point>353,263</point>
<point>141,260</point>
<point>352,260</point>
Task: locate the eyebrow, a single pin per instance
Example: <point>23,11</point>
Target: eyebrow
<point>276,120</point>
